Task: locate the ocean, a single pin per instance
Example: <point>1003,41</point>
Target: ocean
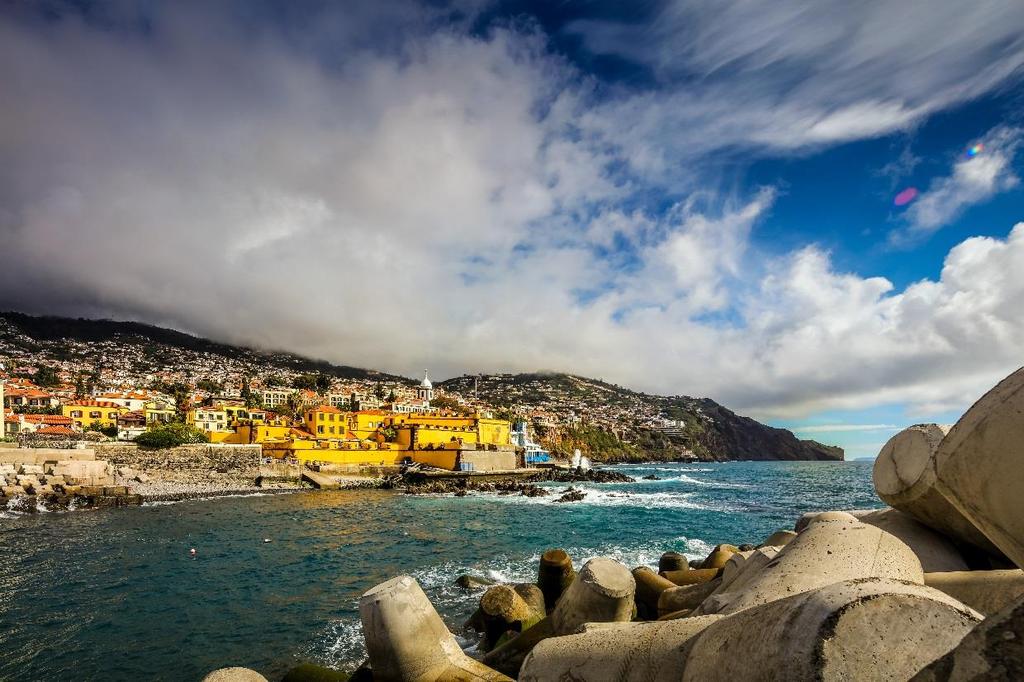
<point>115,595</point>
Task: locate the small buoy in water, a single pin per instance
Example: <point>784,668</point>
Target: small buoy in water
<point>192,551</point>
<point>266,539</point>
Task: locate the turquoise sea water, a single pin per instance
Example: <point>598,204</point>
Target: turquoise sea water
<point>114,594</point>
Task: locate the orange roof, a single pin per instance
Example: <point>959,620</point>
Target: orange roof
<point>327,408</point>
<point>375,412</point>
<point>56,431</point>
<point>93,403</point>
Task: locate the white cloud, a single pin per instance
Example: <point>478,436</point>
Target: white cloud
<point>846,428</point>
<point>466,203</point>
<point>790,75</point>
<point>973,180</point>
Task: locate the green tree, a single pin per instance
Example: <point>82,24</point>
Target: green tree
<point>378,391</point>
<point>304,381</point>
<point>273,381</point>
<point>80,387</point>
<point>209,386</point>
<point>392,397</point>
<point>110,431</point>
<point>46,376</point>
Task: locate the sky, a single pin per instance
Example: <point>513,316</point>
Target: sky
<point>810,212</point>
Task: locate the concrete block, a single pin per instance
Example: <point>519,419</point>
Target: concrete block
<point>984,591</point>
<point>672,561</point>
<point>234,675</point>
<point>13,490</point>
<point>979,466</point>
<point>407,641</point>
<point>692,576</point>
<point>993,651</point>
<point>603,592</point>
<point>905,478</point>
<point>627,652</point>
<point>779,538</point>
<point>649,586</point>
<point>686,598</point>
<point>829,550</point>
<point>862,629</point>
<point>554,575</point>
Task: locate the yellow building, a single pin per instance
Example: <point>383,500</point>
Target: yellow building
<point>366,423</point>
<point>209,419</point>
<point>85,413</point>
<point>158,412</point>
<point>326,422</point>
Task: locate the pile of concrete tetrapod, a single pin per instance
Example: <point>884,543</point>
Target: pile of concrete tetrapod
<point>929,588</point>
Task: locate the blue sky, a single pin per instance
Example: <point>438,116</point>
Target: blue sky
<point>683,196</point>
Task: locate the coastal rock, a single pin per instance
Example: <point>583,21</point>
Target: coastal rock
<point>873,628</point>
<point>579,475</point>
<point>470,582</point>
<point>993,651</point>
<point>234,675</point>
<point>831,549</point>
<point>571,495</point>
<point>406,640</point>
<point>979,466</point>
<point>650,477</point>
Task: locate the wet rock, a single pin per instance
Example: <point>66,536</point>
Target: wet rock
<point>571,495</point>
<point>470,582</point>
<point>234,675</point>
<point>672,561</point>
<point>308,672</point>
<point>651,477</point>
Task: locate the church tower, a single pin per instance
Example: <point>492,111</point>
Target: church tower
<point>426,390</point>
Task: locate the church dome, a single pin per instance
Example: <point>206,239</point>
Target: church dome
<point>426,380</point>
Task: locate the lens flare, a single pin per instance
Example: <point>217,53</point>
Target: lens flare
<point>975,150</point>
<point>905,197</point>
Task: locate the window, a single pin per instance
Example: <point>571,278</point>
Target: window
<point>320,429</point>
<point>95,414</point>
<point>76,413</point>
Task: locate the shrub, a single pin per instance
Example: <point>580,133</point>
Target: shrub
<point>171,435</point>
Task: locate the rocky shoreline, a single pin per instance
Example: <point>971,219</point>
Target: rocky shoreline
<point>928,589</point>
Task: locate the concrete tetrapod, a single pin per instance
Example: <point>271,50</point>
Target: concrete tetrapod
<point>936,551</point>
<point>407,641</point>
<point>827,551</point>
<point>672,561</point>
<point>503,609</point>
<point>735,582</point>
<point>984,591</point>
<point>993,651</point>
<point>979,466</point>
<point>554,575</point>
<point>779,538</point>
<point>686,597</point>
<point>692,576</point>
<point>649,586</point>
<point>234,675</point>
<point>905,478</point>
<point>640,652</point>
<point>602,593</point>
<point>865,629</point>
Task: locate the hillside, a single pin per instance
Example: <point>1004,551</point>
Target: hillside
<point>617,424</point>
<point>49,337</point>
<point>605,421</point>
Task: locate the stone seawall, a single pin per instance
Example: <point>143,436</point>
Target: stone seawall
<point>236,460</point>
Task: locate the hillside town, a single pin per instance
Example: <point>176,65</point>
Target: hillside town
<point>99,379</point>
